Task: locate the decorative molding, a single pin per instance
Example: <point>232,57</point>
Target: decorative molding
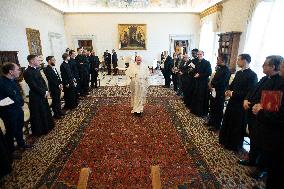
<point>211,10</point>
<point>173,37</point>
<point>58,36</point>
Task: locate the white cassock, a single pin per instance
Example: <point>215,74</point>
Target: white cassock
<point>138,75</point>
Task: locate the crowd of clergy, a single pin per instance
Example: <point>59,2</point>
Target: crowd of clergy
<point>205,95</point>
<point>78,74</point>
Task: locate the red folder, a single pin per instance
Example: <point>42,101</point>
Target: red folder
<point>271,100</point>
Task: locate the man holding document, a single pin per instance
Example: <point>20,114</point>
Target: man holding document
<point>11,103</point>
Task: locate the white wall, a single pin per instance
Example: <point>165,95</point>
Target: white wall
<point>104,28</point>
<point>17,15</point>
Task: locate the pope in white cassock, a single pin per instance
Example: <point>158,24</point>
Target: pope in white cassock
<point>138,74</point>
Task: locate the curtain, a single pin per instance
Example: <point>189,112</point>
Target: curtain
<point>265,33</point>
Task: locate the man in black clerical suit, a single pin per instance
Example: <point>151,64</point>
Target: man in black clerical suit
<point>218,85</point>
<point>234,122</point>
<point>13,114</point>
<point>187,69</point>
<point>94,69</point>
<point>168,64</point>
<point>55,86</point>
<point>40,113</point>
<point>200,102</point>
<point>74,69</point>
<point>69,84</point>
<point>83,69</point>
<point>114,61</point>
<point>107,59</point>
<point>270,68</point>
<point>271,125</point>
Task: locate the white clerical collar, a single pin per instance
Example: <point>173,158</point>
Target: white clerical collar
<point>243,69</point>
<point>66,61</point>
<point>33,67</point>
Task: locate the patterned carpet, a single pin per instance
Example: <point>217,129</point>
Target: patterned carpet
<point>120,148</point>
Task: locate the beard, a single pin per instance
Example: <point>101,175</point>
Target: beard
<point>52,64</point>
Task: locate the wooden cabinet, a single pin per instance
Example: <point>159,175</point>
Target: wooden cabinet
<point>229,44</point>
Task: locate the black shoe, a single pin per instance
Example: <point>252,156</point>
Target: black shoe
<point>213,129</point>
<point>57,116</point>
<point>245,162</point>
<point>27,146</point>
<point>62,113</point>
<point>16,156</point>
<point>257,187</point>
<point>258,174</point>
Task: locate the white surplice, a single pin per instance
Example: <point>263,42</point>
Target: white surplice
<point>138,75</point>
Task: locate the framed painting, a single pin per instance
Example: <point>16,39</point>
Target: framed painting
<point>34,43</point>
<point>132,36</point>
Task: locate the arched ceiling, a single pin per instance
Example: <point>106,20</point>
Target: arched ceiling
<point>131,5</point>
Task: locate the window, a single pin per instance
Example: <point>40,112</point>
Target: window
<point>265,34</point>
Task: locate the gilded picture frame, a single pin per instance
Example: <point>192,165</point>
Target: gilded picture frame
<point>132,36</point>
<point>34,42</point>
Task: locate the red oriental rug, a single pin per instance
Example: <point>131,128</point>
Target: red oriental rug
<point>120,149</point>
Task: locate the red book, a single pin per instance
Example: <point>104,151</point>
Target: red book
<point>271,100</point>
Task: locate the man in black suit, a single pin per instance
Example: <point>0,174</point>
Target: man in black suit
<point>94,69</point>
<point>13,114</point>
<point>55,86</point>
<point>217,86</point>
<point>40,113</point>
<point>272,131</point>
<point>69,84</point>
<point>107,59</point>
<point>114,61</point>
<point>168,64</point>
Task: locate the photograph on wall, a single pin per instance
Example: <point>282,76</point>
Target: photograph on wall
<point>34,43</point>
<point>132,36</point>
<point>181,46</point>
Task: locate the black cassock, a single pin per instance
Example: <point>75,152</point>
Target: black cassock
<point>40,113</point>
<point>94,70</point>
<point>83,70</point>
<point>107,59</point>
<point>233,127</point>
<point>5,157</point>
<point>54,81</point>
<point>200,99</point>
<point>114,62</point>
<point>272,136</point>
<point>68,86</point>
<point>168,64</point>
<point>219,82</point>
<point>187,81</point>
<point>74,69</point>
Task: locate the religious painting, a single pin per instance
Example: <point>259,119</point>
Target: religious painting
<point>181,46</point>
<point>34,43</point>
<point>132,36</point>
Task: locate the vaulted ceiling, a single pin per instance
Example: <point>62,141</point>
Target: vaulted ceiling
<point>131,5</point>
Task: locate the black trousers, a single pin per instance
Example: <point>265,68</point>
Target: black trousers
<point>256,155</point>
<point>175,81</point>
<point>5,157</point>
<point>108,68</point>
<point>216,110</point>
<point>167,79</point>
<point>56,103</point>
<point>14,123</point>
<point>275,169</point>
<point>94,79</point>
